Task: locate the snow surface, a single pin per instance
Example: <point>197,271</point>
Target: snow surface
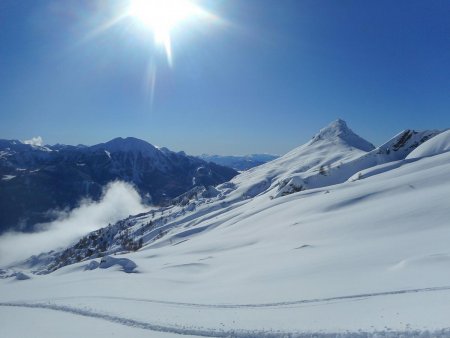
<point>438,145</point>
<point>17,321</point>
<point>350,255</point>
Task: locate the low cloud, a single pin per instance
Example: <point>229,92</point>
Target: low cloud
<point>35,141</point>
<point>119,200</point>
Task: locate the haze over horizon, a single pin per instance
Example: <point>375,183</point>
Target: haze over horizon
<point>250,77</point>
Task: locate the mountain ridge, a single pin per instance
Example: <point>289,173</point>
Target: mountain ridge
<point>42,178</point>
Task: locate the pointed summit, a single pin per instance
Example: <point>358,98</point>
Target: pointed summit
<point>334,129</point>
<point>339,130</point>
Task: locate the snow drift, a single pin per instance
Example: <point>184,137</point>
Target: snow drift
<point>439,144</point>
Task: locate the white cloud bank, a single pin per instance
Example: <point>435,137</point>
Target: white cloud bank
<point>119,200</point>
<point>35,141</point>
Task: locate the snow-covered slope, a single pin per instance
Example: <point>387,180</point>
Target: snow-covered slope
<point>398,151</point>
<point>334,155</point>
<point>339,170</point>
<point>438,145</point>
<point>360,258</point>
<point>304,167</point>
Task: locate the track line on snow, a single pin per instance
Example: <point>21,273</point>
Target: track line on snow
<point>128,322</point>
<point>272,305</point>
<point>204,332</point>
<point>192,331</point>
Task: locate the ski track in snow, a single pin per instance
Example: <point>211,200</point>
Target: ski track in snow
<point>209,332</point>
<point>267,305</point>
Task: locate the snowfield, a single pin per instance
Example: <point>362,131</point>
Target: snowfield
<point>362,252</point>
<point>439,145</point>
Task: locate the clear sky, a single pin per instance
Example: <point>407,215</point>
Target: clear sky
<point>264,78</point>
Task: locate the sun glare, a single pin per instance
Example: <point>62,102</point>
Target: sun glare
<point>161,16</point>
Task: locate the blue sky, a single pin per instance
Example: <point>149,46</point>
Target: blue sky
<point>265,81</point>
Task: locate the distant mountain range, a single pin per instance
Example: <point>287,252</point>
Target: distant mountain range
<point>36,179</point>
<point>240,163</point>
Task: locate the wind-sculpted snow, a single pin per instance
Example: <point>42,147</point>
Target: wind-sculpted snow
<point>127,264</point>
<point>438,145</point>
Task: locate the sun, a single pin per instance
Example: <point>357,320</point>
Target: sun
<point>161,16</point>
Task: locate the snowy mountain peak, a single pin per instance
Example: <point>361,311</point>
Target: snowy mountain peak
<point>339,130</point>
